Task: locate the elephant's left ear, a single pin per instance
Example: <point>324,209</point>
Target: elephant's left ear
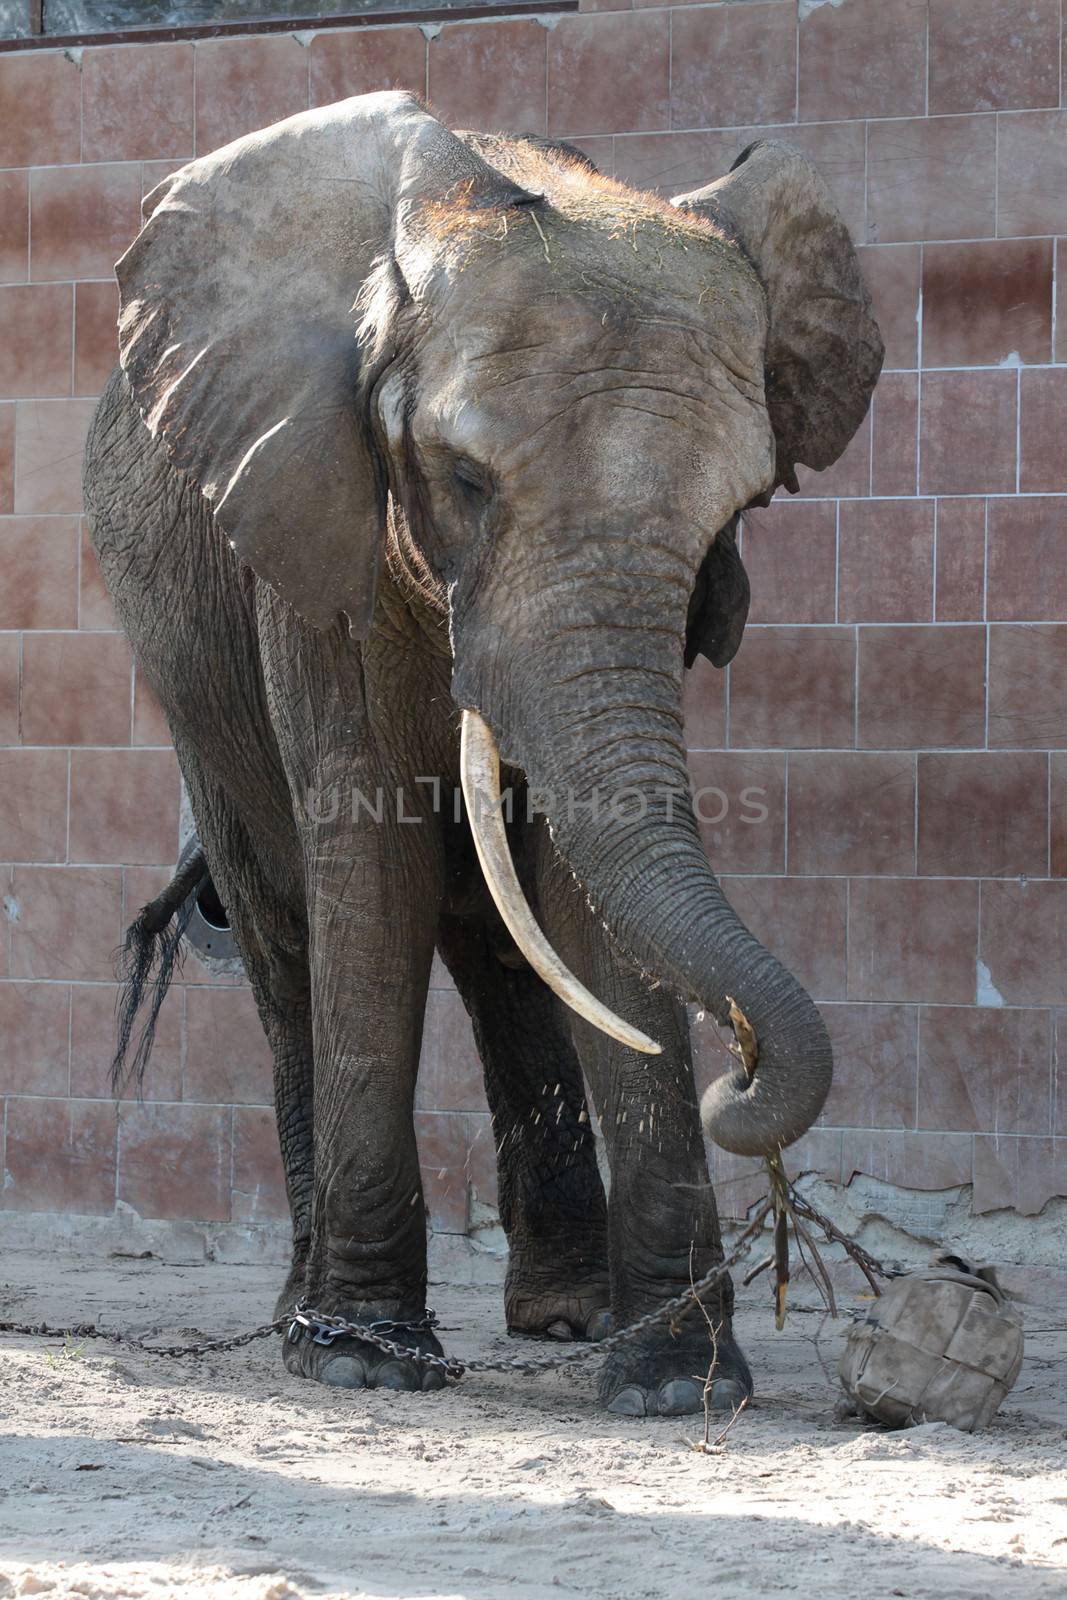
<point>824,351</point>
<point>718,606</point>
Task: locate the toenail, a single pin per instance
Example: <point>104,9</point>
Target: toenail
<point>396,1375</point>
<point>629,1402</point>
<point>345,1372</point>
<point>680,1397</point>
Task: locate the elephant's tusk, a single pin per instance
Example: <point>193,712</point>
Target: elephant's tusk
<point>480,777</point>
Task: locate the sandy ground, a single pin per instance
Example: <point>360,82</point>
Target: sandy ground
<point>131,1476</point>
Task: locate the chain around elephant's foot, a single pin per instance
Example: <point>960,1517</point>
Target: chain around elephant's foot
<point>664,1374</point>
<point>565,1302</point>
<point>348,1362</point>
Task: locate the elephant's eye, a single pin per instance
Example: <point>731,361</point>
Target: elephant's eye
<point>470,480</point>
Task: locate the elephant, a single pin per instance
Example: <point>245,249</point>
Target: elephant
<point>420,473</point>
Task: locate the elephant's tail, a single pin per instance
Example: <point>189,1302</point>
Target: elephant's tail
<point>149,959</point>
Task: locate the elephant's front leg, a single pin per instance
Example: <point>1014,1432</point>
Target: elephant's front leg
<point>373,896</point>
<point>551,1197</point>
<point>663,1225</point>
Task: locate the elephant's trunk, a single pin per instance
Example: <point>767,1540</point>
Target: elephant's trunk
<point>614,784</point>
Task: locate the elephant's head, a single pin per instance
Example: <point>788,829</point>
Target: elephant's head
<point>570,390</point>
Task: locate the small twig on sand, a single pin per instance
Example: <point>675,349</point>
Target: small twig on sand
<point>708,1444</point>
<point>718,1440</point>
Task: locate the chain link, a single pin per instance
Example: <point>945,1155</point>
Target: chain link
<point>327,1328</point>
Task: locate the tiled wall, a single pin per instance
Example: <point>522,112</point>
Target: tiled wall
<point>900,700</point>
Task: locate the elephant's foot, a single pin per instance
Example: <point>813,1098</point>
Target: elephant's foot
<point>352,1363</point>
<point>663,1374</point>
<point>561,1302</point>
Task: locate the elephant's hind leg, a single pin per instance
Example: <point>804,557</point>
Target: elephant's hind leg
<point>551,1198</point>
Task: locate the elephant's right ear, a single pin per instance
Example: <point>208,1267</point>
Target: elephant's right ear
<point>238,337</point>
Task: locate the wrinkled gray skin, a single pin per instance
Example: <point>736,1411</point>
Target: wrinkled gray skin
<point>562,392</point>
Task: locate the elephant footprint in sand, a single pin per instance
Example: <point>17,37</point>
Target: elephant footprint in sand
<point>416,435</point>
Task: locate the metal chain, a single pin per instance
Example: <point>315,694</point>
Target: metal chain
<point>89,1330</point>
<point>325,1328</point>
<point>369,1333</point>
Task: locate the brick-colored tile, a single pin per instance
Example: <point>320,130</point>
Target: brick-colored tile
<point>149,723</point>
<point>983,814</point>
<point>887,561</point>
<point>95,610</point>
<point>75,689</point>
<point>1020,1172</point>
<point>124,806</point>
<point>49,446</point>
<point>741,1181</point>
<point>1024,928</point>
<point>481,1159</point>
<point>490,77</point>
<point>704,704</point>
<point>993,55</point>
<point>246,84</point>
<point>921,687</point>
<point>850,473</point>
<point>9,690</point>
<point>983,303</point>
<point>39,557</point>
<point>14,227</point>
<point>1027,687</point>
<point>739,800</point>
<point>33,805</point>
<point>892,274</point>
<point>96,348</point>
<point>450,1072</point>
<point>174,1161</point>
<point>968,433</point>
<point>82,219</point>
<point>912,939</point>
<point>36,337</point>
<point>732,65</point>
<point>442,1138</point>
<point>865,59</point>
<point>790,554</point>
<point>138,103</point>
<point>35,1028</point>
<point>40,110</point>
<point>1031,173</point>
<point>875,1066</point>
<point>931,178</point>
<point>792,688</point>
<point>1058,819</point>
<point>910,1160</point>
<point>365,60</point>
<point>1042,396</point>
<point>1027,580</point>
<point>67,922</point>
<point>228,1060</point>
<point>851,812</point>
<point>985,1070</point>
<point>258,1176</point>
<point>60,1156</point>
<point>94,1034</point>
<point>608,74</point>
<point>7,459</point>
<point>895,434</point>
<point>960,587</point>
<point>803,921</point>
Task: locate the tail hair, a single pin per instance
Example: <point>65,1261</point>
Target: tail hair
<point>148,960</point>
